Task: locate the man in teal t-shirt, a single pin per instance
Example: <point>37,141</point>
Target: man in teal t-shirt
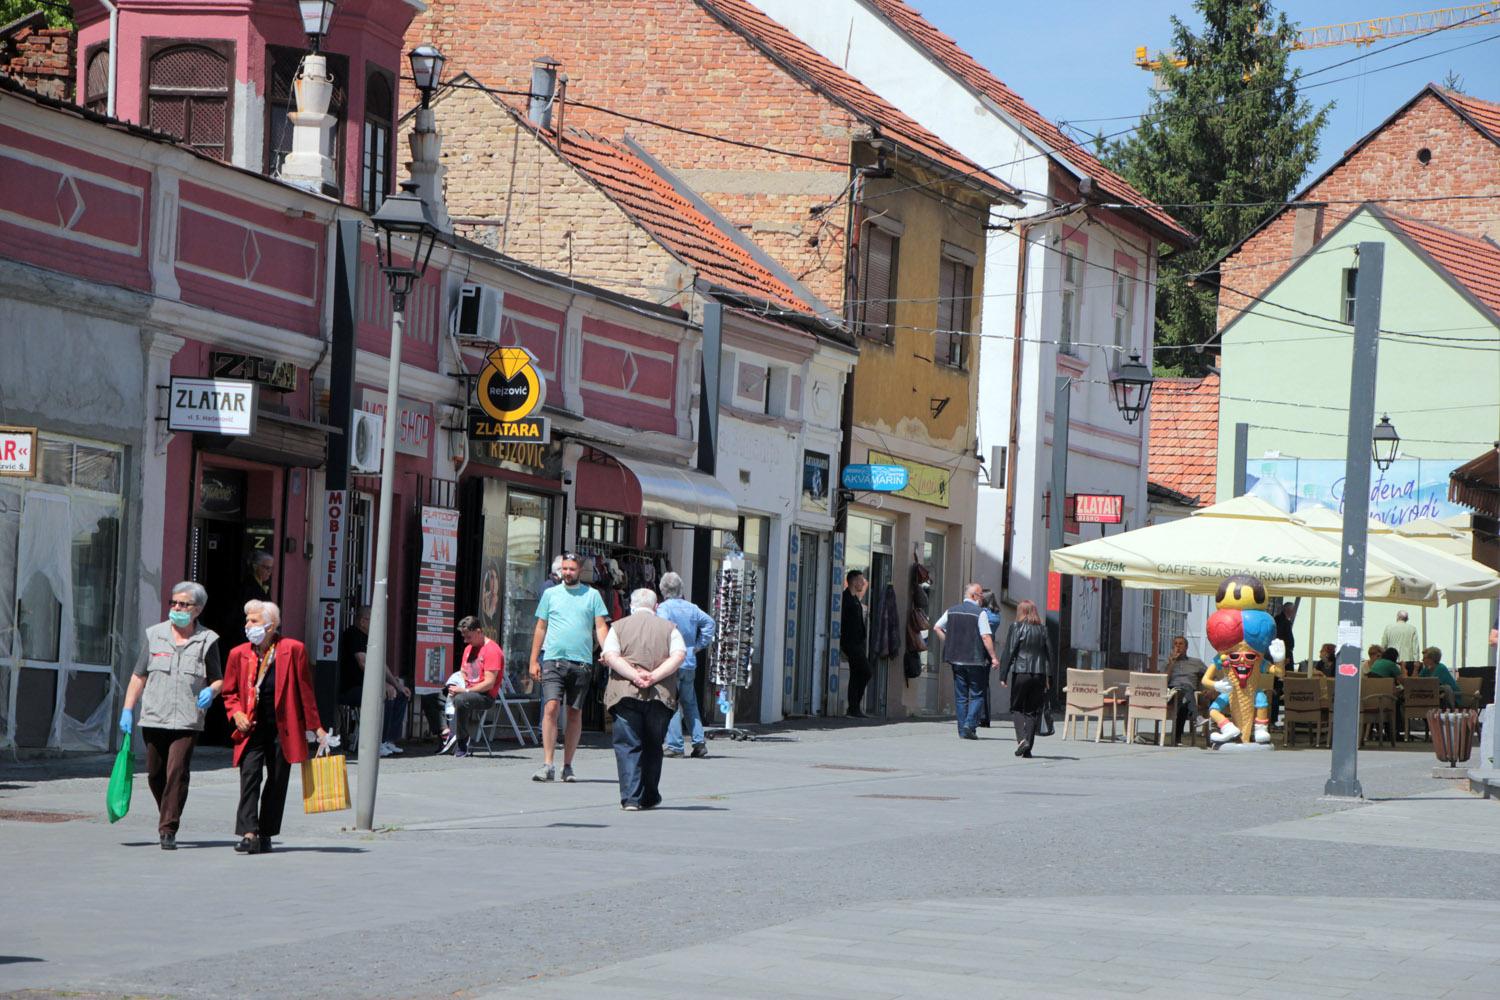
<point>570,617</point>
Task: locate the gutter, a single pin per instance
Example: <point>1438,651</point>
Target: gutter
<point>114,45</point>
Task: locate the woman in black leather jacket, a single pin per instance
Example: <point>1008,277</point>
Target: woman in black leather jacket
<point>1028,657</point>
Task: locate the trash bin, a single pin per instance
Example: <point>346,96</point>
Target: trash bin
<point>1452,734</point>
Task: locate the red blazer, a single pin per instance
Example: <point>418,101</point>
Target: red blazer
<point>296,707</point>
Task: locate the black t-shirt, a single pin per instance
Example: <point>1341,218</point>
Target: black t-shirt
<point>352,642</point>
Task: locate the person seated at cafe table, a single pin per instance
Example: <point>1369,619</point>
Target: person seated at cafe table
<point>1327,662</point>
<point>1372,654</point>
<point>1432,666</point>
<point>1388,665</point>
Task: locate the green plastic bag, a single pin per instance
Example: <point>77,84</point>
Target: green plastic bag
<point>121,780</point>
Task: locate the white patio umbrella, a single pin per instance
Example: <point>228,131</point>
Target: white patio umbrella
<point>1245,535</point>
<point>1457,579</point>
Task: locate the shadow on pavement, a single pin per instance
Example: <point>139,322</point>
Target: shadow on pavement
<point>182,845</point>
<point>14,959</point>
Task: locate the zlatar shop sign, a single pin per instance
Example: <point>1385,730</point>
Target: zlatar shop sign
<point>211,406</point>
<point>510,391</point>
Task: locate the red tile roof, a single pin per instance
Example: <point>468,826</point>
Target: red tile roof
<point>947,51</point>
<point>1474,263</point>
<point>1185,436</point>
<point>1483,115</point>
<point>687,233</point>
<point>815,71</point>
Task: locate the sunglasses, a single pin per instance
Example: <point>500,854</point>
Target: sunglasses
<point>569,557</point>
<point>183,605</point>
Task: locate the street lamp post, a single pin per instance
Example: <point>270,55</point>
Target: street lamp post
<point>406,233</point>
<point>1130,384</point>
<point>1343,780</point>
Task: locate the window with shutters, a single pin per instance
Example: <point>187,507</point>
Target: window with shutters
<point>96,80</point>
<point>955,301</point>
<point>187,93</point>
<point>1124,307</point>
<point>876,308</point>
<point>1072,296</point>
<point>375,176</point>
<point>281,100</point>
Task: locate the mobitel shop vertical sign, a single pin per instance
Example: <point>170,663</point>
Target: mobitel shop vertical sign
<point>510,392</point>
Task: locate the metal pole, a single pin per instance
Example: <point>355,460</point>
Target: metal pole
<point>1342,779</point>
<point>372,698</point>
<point>1241,457</point>
<point>1055,516</point>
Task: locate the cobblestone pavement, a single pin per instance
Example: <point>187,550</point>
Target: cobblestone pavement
<point>826,861</point>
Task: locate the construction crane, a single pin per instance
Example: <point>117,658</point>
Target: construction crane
<point>1368,31</point>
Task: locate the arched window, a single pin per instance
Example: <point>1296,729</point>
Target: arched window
<point>380,108</point>
<point>187,96</point>
<point>96,81</point>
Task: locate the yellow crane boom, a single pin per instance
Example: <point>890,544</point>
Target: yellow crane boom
<point>1368,31</point>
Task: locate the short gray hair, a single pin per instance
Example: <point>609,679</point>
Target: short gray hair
<point>643,598</point>
<point>1401,616</point>
<point>194,590</point>
<point>671,585</point>
<point>269,613</point>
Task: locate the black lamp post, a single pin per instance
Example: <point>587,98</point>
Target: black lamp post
<point>1384,443</point>
<point>426,70</point>
<point>316,17</point>
<point>1131,384</point>
<point>405,233</point>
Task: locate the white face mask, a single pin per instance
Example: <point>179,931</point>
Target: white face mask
<point>256,634</point>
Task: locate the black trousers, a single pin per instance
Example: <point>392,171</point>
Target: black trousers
<point>1028,697</point>
<point>261,808</point>
<point>859,677</point>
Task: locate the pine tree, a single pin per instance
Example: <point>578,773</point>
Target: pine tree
<point>58,14</point>
<point>1228,128</point>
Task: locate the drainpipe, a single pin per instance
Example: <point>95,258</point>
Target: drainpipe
<point>114,44</point>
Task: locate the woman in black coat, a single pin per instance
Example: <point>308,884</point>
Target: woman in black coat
<point>1028,657</point>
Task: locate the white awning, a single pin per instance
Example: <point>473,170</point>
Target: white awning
<point>677,494</point>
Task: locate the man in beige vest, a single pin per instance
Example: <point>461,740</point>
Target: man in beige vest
<point>643,653</point>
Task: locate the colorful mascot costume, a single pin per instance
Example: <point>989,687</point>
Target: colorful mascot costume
<point>1249,661</point>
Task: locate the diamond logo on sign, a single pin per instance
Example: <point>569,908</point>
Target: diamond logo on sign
<point>510,390</point>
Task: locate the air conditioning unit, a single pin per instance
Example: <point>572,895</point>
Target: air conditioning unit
<point>366,435</point>
<point>477,314</point>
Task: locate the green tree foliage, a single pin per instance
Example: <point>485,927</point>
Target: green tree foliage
<point>1228,128</point>
<point>59,15</point>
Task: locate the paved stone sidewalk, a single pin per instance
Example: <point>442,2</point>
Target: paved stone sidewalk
<point>829,860</point>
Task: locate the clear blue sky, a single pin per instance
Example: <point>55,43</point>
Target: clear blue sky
<point>1074,59</point>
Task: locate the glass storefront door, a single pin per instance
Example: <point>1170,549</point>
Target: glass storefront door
<point>514,554</point>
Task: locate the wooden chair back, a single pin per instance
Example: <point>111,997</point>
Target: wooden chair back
<point>1470,688</point>
<point>1301,695</point>
<point>1149,692</point>
<point>1376,693</point>
<point>1085,692</point>
<point>1421,694</point>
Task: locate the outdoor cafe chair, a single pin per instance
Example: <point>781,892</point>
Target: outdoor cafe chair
<point>1422,696</point>
<point>1469,688</point>
<point>1088,699</point>
<point>1151,700</point>
<point>1377,708</point>
<point>1302,705</point>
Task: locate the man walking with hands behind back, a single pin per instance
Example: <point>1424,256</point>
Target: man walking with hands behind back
<point>970,650</point>
<point>697,630</point>
<point>854,638</point>
<point>569,618</point>
<point>643,653</point>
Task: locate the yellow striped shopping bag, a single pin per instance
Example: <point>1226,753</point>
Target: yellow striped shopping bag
<point>325,784</point>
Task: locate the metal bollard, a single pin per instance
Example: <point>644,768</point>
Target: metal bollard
<point>1452,734</point>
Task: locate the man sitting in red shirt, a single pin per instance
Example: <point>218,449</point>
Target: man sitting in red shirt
<point>483,666</point>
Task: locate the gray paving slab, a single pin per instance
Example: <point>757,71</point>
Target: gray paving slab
<point>798,867</point>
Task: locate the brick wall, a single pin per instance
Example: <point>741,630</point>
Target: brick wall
<point>536,208</point>
<point>40,57</point>
<point>1463,162</point>
<point>670,61</point>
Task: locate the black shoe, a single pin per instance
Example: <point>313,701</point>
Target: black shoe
<point>855,713</point>
<point>247,845</point>
<point>264,847</point>
<point>700,750</point>
<point>970,735</point>
<point>1022,749</point>
<point>169,841</point>
<point>669,752</point>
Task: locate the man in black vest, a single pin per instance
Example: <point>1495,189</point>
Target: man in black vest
<point>854,637</point>
<point>970,650</point>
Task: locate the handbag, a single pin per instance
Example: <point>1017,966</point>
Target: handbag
<point>121,781</point>
<point>325,784</point>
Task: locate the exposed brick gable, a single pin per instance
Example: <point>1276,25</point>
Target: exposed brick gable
<point>1465,161</point>
<point>38,56</point>
<point>1185,436</point>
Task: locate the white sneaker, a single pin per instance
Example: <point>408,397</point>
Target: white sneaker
<point>395,749</point>
<point>1224,735</point>
<point>1262,735</point>
<point>385,749</point>
<point>449,742</point>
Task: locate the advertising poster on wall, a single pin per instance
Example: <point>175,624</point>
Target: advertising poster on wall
<point>1408,491</point>
<point>437,579</point>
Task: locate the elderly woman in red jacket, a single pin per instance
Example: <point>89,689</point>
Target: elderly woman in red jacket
<point>268,694</point>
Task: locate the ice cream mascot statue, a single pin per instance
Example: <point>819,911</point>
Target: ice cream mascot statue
<point>1249,661</point>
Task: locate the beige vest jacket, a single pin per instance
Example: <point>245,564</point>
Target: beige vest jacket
<point>645,640</point>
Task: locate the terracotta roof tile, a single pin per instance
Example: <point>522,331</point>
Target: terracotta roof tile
<point>1473,263</point>
<point>948,52</point>
<point>1184,441</point>
<point>1485,115</point>
<point>817,72</point>
<point>673,221</point>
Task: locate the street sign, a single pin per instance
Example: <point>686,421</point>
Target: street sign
<point>510,390</point>
<point>18,452</point>
<point>211,406</point>
<point>1098,508</point>
<point>874,478</point>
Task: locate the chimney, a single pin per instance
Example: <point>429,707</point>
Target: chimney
<point>543,91</point>
<point>1307,228</point>
<point>308,165</point>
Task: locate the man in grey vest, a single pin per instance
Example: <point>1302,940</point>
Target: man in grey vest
<point>643,653</point>
<point>969,649</point>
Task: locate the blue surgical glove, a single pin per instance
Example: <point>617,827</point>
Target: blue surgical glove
<point>127,721</point>
<point>205,698</point>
